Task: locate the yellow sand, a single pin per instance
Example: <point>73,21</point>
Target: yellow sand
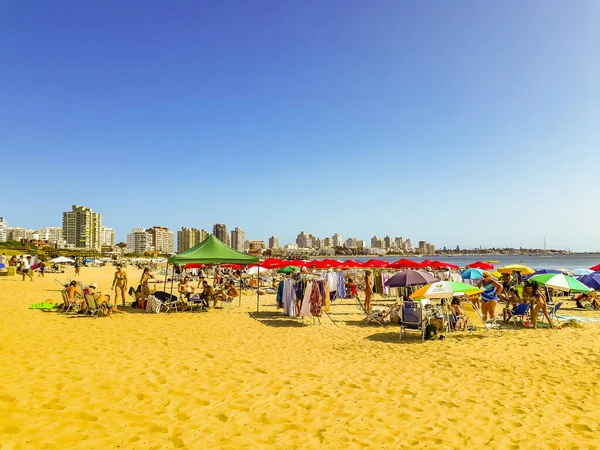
<point>230,379</point>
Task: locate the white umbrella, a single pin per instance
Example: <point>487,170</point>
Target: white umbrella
<point>62,260</point>
<point>256,269</point>
<point>581,272</point>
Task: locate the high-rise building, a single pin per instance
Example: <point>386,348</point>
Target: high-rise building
<point>3,230</point>
<point>220,232</point>
<point>163,239</point>
<point>189,237</point>
<point>19,233</point>
<point>256,247</point>
<point>387,242</point>
<point>336,240</point>
<point>422,247</point>
<point>273,242</point>
<point>408,246</point>
<point>51,234</point>
<point>430,249</point>
<point>327,243</point>
<point>350,243</point>
<point>360,244</point>
<point>238,237</point>
<point>107,236</point>
<point>305,240</point>
<point>139,240</point>
<point>376,242</point>
<point>81,227</point>
<point>399,243</point>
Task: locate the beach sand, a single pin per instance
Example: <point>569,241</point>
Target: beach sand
<point>229,378</point>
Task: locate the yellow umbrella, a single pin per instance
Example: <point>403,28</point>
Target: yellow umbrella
<point>516,268</point>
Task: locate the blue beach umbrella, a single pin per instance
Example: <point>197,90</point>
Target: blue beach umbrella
<point>582,272</point>
<point>472,274</point>
<point>592,281</point>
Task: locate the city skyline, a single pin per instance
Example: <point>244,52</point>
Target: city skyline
<point>386,241</point>
<point>470,123</point>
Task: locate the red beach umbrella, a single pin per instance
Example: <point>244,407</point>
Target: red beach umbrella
<point>405,264</point>
<point>350,264</point>
<point>595,268</point>
<point>273,263</point>
<point>438,265</point>
<point>481,265</point>
<point>375,263</point>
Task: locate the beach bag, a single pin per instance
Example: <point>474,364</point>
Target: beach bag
<point>430,332</point>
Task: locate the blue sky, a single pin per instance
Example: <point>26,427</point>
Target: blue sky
<point>462,123</point>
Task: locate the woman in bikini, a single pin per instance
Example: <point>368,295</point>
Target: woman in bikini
<point>146,275</point>
<point>119,284</point>
<point>539,304</point>
<point>489,296</point>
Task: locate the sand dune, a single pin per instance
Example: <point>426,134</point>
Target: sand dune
<point>231,378</point>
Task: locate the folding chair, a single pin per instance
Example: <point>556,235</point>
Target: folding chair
<point>552,312</point>
<point>371,316</point>
<point>199,302</point>
<point>412,319</point>
<point>93,309</point>
<point>67,304</point>
<point>519,314</point>
<point>475,320</point>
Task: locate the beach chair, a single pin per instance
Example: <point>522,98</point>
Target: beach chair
<point>552,313</point>
<point>519,314</point>
<point>475,321</point>
<point>67,304</point>
<point>412,319</point>
<point>200,303</point>
<point>93,309</point>
<point>374,315</point>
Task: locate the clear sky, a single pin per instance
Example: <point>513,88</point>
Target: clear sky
<point>461,123</point>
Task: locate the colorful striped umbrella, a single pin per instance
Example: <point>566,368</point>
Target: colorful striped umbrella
<point>560,282</point>
<point>444,289</point>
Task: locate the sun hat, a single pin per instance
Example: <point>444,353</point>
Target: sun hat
<point>485,274</point>
<point>93,285</point>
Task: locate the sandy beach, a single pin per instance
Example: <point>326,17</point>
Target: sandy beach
<point>231,378</point>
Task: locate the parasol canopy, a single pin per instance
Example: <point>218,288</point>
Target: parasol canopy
<point>592,281</point>
<point>62,260</point>
<point>525,270</point>
<point>560,282</point>
<point>481,265</point>
<point>410,278</point>
<point>444,289</point>
<point>472,274</point>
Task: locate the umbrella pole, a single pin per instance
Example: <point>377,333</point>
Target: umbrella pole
<point>258,292</point>
<point>172,279</point>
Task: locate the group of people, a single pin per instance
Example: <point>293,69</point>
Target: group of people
<point>225,292</point>
<point>77,297</point>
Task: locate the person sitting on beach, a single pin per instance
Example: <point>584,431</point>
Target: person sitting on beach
<point>101,299</point>
<point>184,289</point>
<point>228,295</point>
<point>513,300</point>
<point>74,296</point>
<point>489,296</point>
<point>207,294</point>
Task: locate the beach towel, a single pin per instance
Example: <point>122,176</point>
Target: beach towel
<point>579,319</point>
<point>43,305</point>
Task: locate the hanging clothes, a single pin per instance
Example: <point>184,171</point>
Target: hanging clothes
<point>341,285</point>
<point>279,297</point>
<point>305,308</point>
<point>316,300</point>
<point>289,297</point>
<point>377,283</point>
<point>384,277</point>
<point>326,297</point>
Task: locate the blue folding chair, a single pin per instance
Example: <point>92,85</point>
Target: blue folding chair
<point>412,319</point>
<point>552,312</point>
<point>519,313</point>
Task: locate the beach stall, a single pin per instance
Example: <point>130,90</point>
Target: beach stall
<point>211,251</point>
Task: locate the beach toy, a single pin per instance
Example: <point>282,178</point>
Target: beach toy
<point>526,324</point>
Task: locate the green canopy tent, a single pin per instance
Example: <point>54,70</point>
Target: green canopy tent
<point>211,251</point>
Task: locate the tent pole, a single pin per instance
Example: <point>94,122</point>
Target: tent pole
<point>172,278</point>
<point>258,290</point>
<point>240,300</point>
<point>166,274</point>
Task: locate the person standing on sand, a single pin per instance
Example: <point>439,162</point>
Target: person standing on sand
<point>146,275</point>
<point>539,304</point>
<point>26,268</point>
<point>3,259</point>
<point>77,267</point>
<point>489,296</point>
<point>368,290</point>
<point>119,284</point>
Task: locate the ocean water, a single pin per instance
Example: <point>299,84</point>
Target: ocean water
<point>571,261</point>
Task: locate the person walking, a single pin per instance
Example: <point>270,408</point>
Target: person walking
<point>119,284</point>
